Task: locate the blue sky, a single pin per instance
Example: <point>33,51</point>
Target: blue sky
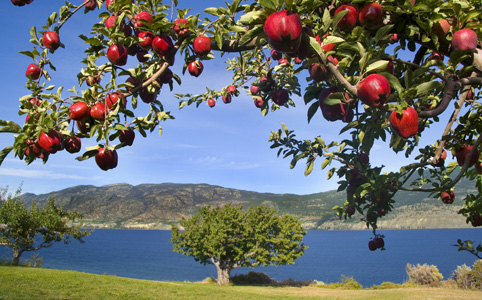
<point>226,145</point>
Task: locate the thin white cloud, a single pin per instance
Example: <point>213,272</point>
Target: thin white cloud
<point>212,162</point>
<point>37,174</point>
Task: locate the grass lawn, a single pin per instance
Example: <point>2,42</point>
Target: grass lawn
<point>36,283</point>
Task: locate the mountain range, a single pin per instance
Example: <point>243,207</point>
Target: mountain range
<point>156,206</point>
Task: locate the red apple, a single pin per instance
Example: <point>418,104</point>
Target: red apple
<point>195,68</point>
<point>406,123</point>
<point>163,45</point>
<point>462,154</point>
<point>33,71</point>
<point>374,90</point>
<point>318,72</point>
<point>146,38</point>
<point>448,197</point>
<point>132,81</point>
<point>50,141</point>
<point>464,39</point>
<point>363,158</point>
<point>202,46</point>
<point>266,84</point>
<point>117,54</point>
<point>110,21</point>
<point>113,98</point>
<point>148,96</point>
<point>254,89</point>
<point>142,55</point>
<point>79,111</point>
<point>283,61</point>
<point>348,21</point>
<point>475,219</point>
<point>372,246</point>
<point>276,55</point>
<point>97,111</point>
<point>127,136</point>
<point>180,27</point>
<point>165,77</point>
<point>441,28</point>
<point>141,19</point>
<point>332,112</point>
<point>211,102</point>
<point>90,5</point>
<point>436,55</point>
<point>350,210</point>
<point>106,159</point>
<point>84,126</point>
<point>258,102</point>
<point>227,98</point>
<point>371,15</point>
<point>283,31</point>
<point>92,80</point>
<point>72,144</point>
<point>231,90</point>
<point>51,40</point>
<point>280,97</point>
<point>379,242</point>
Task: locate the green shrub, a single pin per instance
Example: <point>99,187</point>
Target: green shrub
<point>35,261</point>
<point>423,274</point>
<point>252,278</point>
<point>477,274</point>
<point>386,285</point>
<point>462,276</point>
<point>347,283</point>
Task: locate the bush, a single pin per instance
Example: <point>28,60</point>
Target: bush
<point>347,283</point>
<point>462,276</point>
<point>386,285</point>
<point>423,274</point>
<point>477,274</point>
<point>252,278</point>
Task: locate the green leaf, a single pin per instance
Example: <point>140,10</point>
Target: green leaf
<point>427,87</point>
<point>312,110</point>
<point>379,65</point>
<point>270,4</point>
<point>309,167</point>
<point>212,10</point>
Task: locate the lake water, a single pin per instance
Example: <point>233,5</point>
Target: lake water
<point>147,254</point>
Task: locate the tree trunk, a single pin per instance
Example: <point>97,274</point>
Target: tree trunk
<point>16,256</point>
<point>223,275</point>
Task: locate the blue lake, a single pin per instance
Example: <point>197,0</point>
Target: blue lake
<point>147,254</point>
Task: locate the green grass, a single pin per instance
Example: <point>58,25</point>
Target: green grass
<point>36,283</point>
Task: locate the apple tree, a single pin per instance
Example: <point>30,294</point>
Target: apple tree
<point>24,230</point>
<point>229,238</point>
<point>386,70</point>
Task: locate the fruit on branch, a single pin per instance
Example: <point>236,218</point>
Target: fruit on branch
<point>462,154</point>
<point>201,45</point>
<point>180,27</point>
<point>50,141</point>
<point>211,102</point>
<point>318,72</point>
<point>145,39</point>
<point>195,68</point>
<point>21,2</point>
<point>350,210</point>
<point>372,246</point>
<point>165,77</point>
<point>334,112</point>
<point>33,71</point>
<point>231,90</point>
<point>464,39</point>
<point>283,61</point>
<point>406,123</point>
<point>379,242</point>
<point>441,28</point>
<point>90,5</point>
<point>92,80</point>
<point>97,111</point>
<point>132,81</point>
<point>84,126</point>
<point>112,98</point>
<point>117,54</point>
<point>436,55</point>
<point>371,15</point>
<point>447,197</point>
<point>374,90</point>
<point>470,95</point>
<point>348,21</point>
<point>283,31</point>
<point>475,219</point>
<point>79,111</point>
<point>363,158</point>
<point>141,19</point>
<point>110,21</point>
<point>106,159</point>
<point>147,95</point>
<point>72,144</point>
<point>163,45</point>
<point>142,55</point>
<point>280,97</point>
<point>127,136</point>
<point>132,50</point>
<point>276,55</point>
<point>254,89</point>
<point>51,40</point>
<point>266,84</point>
<point>258,102</point>
<point>227,98</point>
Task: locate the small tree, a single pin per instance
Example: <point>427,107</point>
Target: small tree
<point>229,238</point>
<point>24,230</point>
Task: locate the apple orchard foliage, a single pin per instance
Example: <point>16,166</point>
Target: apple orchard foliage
<point>359,51</point>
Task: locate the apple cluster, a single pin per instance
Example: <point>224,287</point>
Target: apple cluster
<point>21,2</point>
